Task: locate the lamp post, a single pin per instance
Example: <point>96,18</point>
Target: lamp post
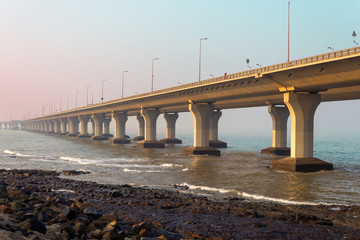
<point>87,95</point>
<point>122,85</point>
<point>76,98</point>
<point>152,74</point>
<point>67,102</point>
<point>201,39</point>
<point>332,49</point>
<point>60,103</point>
<point>102,89</point>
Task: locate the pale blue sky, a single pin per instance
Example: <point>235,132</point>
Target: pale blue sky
<point>49,49</point>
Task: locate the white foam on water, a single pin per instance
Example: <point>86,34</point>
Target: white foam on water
<point>78,160</point>
<point>256,196</point>
<point>131,170</point>
<point>185,169</point>
<point>9,152</point>
<point>62,190</point>
<point>170,165</point>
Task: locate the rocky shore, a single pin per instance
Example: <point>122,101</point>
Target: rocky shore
<point>41,205</point>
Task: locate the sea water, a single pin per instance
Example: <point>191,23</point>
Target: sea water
<point>240,171</point>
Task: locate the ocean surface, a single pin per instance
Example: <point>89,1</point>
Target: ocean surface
<point>241,171</point>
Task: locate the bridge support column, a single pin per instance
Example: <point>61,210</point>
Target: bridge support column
<point>150,117</point>
<point>83,127</point>
<point>57,127</point>
<point>98,123</point>
<point>64,124</point>
<point>170,129</point>
<point>213,130</point>
<point>92,127</point>
<point>279,117</point>
<point>51,127</point>
<point>302,108</point>
<point>46,126</point>
<point>73,127</point>
<point>120,119</point>
<point>201,113</point>
<point>141,128</point>
<point>106,132</point>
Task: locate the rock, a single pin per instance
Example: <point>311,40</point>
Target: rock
<point>7,235</point>
<point>79,227</point>
<point>68,212</point>
<point>6,209</point>
<point>113,225</point>
<point>52,230</point>
<point>31,222</point>
<point>115,194</point>
<point>138,227</point>
<point>93,212</point>
<point>114,235</point>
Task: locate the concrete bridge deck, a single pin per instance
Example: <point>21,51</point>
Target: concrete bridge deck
<point>300,85</point>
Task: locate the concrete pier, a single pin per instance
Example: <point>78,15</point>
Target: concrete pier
<point>170,129</point>
<point>83,127</point>
<point>141,128</point>
<point>201,113</point>
<point>106,132</point>
<point>73,127</point>
<point>51,127</point>
<point>98,122</point>
<point>150,116</point>
<point>302,107</point>
<point>120,119</point>
<point>213,130</point>
<point>57,126</point>
<point>279,116</point>
<point>64,124</point>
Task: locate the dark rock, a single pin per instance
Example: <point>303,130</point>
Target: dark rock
<point>68,212</point>
<point>115,194</point>
<point>31,222</point>
<point>93,212</point>
<point>138,227</point>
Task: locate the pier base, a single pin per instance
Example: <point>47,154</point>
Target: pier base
<point>50,132</point>
<point>63,134</point>
<point>301,164</point>
<point>280,151</point>
<point>84,136</point>
<point>151,144</point>
<point>108,135</point>
<point>201,151</point>
<point>171,141</point>
<point>99,138</point>
<point>138,138</point>
<point>217,144</point>
<point>72,134</point>
<point>119,140</point>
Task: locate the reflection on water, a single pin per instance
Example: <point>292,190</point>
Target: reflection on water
<point>238,171</point>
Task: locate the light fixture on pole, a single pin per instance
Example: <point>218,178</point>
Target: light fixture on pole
<point>152,74</point>
<point>122,85</point>
<point>354,35</point>
<point>258,65</point>
<point>247,63</point>
<point>87,95</point>
<point>201,39</point>
<point>76,98</point>
<point>102,90</point>
<point>60,103</point>
<point>331,49</point>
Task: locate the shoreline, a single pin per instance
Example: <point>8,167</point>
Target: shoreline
<point>70,209</point>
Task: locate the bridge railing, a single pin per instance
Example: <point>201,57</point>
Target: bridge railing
<point>303,61</point>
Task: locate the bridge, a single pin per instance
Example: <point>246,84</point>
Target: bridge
<point>14,124</point>
<point>292,88</point>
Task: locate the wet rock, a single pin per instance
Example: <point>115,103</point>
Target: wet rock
<point>8,235</point>
<point>52,231</point>
<point>138,227</point>
<point>31,222</point>
<point>68,212</point>
<point>116,194</point>
<point>74,172</point>
<point>93,212</point>
<point>79,227</point>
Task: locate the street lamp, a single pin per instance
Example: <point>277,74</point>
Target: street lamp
<point>76,98</point>
<point>102,90</point>
<point>331,48</point>
<point>200,58</point>
<point>122,87</point>
<point>152,74</point>
<point>67,102</point>
<point>60,103</point>
<point>87,95</point>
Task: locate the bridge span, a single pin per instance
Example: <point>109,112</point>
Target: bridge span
<point>292,88</point>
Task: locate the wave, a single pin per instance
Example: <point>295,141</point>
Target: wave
<point>9,152</point>
<point>141,171</point>
<point>256,196</point>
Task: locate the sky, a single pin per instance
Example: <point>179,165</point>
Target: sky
<point>49,50</point>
